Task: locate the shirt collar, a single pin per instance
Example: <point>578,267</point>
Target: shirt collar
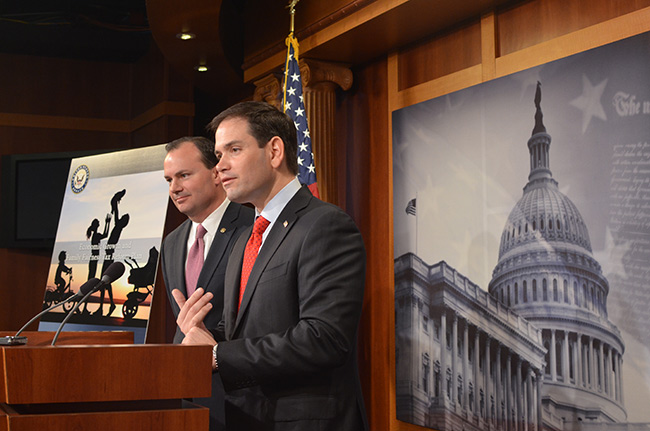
<point>275,206</point>
<point>212,222</point>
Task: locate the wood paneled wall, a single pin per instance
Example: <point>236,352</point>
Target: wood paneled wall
<point>494,45</point>
<point>57,105</point>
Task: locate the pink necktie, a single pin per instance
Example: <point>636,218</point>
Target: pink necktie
<point>250,253</point>
<point>195,261</point>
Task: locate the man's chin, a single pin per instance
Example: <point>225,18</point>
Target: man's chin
<point>182,208</point>
<point>235,197</point>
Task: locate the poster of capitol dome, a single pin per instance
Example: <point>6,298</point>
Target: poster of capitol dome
<point>522,249</point>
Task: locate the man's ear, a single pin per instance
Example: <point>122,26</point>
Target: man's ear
<point>276,151</point>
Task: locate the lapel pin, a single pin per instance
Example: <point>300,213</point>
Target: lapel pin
<point>223,230</point>
<point>285,224</point>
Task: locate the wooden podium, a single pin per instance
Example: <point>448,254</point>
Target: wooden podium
<point>102,381</point>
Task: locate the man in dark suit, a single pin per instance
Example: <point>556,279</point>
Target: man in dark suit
<point>286,347</point>
<point>196,190</point>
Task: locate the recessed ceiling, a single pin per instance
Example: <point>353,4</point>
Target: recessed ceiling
<point>104,30</point>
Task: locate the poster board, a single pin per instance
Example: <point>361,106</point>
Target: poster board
<point>114,209</point>
<point>461,165</point>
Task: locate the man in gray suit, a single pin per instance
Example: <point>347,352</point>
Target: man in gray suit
<point>286,347</point>
<point>196,191</point>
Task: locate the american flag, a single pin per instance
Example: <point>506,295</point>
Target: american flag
<point>410,207</point>
<point>294,106</point>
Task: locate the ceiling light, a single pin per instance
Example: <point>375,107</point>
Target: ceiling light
<point>201,68</point>
<point>185,36</point>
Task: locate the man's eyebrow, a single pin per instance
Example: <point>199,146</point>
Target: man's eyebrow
<point>227,145</point>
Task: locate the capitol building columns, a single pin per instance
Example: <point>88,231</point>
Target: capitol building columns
<point>579,364</point>
<point>443,357</point>
<point>593,365</point>
<point>489,395</point>
<point>552,357</point>
<point>480,358</point>
<point>465,368</point>
<point>566,372</point>
<point>454,356</point>
<point>476,372</point>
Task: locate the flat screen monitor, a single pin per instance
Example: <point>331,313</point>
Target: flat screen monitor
<point>32,190</point>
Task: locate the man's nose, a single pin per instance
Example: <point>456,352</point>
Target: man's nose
<point>222,164</point>
<point>174,185</point>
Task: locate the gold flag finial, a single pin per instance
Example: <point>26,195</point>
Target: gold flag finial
<point>292,10</point>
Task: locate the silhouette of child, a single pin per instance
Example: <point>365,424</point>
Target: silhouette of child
<point>60,270</point>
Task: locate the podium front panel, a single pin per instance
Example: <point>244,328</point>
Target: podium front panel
<point>186,418</point>
<point>71,374</point>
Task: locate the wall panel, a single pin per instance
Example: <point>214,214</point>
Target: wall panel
<point>364,116</point>
<point>56,86</point>
<point>537,21</point>
<point>448,53</point>
<point>60,105</point>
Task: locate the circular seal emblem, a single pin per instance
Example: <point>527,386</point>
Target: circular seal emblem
<point>80,179</point>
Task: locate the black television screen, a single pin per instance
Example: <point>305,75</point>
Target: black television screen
<point>33,186</point>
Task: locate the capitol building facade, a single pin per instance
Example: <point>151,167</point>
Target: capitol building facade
<point>537,350</point>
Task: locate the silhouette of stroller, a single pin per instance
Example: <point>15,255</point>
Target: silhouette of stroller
<point>140,278</point>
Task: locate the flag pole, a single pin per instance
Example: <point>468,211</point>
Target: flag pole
<point>292,11</point>
<point>293,105</point>
<point>416,225</point>
<point>290,39</point>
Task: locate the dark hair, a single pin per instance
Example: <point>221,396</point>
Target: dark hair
<point>204,145</point>
<point>264,123</point>
<point>94,225</point>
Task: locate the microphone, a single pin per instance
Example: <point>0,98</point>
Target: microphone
<point>112,273</point>
<point>83,290</point>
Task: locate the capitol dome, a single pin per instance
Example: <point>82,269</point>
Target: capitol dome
<point>544,213</point>
<point>547,274</point>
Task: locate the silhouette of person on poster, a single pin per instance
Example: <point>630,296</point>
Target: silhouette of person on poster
<point>113,239</point>
<point>60,270</point>
<point>95,237</point>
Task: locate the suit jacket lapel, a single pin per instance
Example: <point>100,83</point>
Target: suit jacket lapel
<point>278,232</point>
<point>232,280</point>
<point>178,255</point>
<point>219,245</point>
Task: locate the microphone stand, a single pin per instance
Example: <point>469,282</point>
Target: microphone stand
<point>77,305</point>
<point>18,340</point>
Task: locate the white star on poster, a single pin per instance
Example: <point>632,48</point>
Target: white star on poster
<point>589,102</point>
<point>611,257</point>
<point>527,79</point>
<point>464,175</point>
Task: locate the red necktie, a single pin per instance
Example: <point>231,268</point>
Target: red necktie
<point>250,253</point>
<point>195,261</point>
